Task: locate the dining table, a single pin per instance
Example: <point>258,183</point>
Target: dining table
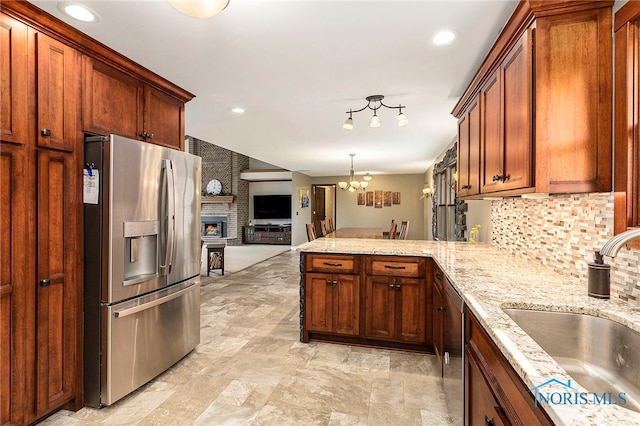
<point>372,233</point>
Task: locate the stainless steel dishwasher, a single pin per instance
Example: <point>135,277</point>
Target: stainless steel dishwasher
<point>453,369</point>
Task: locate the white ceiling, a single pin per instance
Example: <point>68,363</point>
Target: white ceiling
<point>297,66</point>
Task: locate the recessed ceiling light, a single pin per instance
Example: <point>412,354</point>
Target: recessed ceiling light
<point>79,12</point>
<point>443,38</point>
<point>237,110</point>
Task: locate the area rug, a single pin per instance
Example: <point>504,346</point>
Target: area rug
<point>237,258</point>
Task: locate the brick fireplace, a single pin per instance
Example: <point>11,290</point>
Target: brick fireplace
<point>224,165</point>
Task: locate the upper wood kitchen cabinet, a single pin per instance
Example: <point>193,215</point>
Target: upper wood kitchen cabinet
<point>469,151</point>
<point>117,102</point>
<point>545,99</point>
<point>627,121</point>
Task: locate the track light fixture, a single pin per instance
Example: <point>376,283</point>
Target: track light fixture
<point>374,103</point>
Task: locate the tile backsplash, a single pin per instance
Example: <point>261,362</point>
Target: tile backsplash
<point>562,232</point>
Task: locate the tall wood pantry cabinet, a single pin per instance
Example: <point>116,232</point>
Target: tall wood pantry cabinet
<point>43,87</point>
<point>41,217</point>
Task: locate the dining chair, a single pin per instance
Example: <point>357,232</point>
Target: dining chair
<point>311,231</point>
<point>393,230</point>
<point>323,228</point>
<point>404,228</point>
<point>330,225</point>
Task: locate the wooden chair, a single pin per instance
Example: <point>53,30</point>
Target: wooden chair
<point>311,231</point>
<point>404,228</point>
<point>393,230</point>
<point>330,225</point>
<point>323,228</point>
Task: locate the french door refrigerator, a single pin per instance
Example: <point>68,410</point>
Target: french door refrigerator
<point>142,263</point>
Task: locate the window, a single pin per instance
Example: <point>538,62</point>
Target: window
<point>449,221</point>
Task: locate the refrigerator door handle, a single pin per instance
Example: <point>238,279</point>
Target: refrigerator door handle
<point>130,311</point>
<point>173,244</point>
<point>168,214</point>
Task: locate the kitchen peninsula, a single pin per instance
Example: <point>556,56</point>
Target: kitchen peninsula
<point>488,280</point>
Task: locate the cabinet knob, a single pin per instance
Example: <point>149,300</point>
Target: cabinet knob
<point>466,187</point>
<point>45,282</point>
<point>145,135</point>
<point>397,286</point>
<point>45,132</point>
<point>440,308</point>
<point>328,282</point>
<point>488,421</point>
<point>335,282</point>
<point>150,135</point>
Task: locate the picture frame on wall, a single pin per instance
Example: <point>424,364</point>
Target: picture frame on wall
<point>369,198</point>
<point>304,198</point>
<point>377,198</point>
<point>396,198</point>
<point>361,200</point>
<point>387,198</point>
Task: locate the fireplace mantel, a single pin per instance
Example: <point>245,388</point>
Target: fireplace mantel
<point>218,199</point>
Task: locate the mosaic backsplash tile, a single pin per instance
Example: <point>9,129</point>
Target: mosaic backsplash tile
<point>562,232</point>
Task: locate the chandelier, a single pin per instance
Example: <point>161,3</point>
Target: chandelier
<point>374,103</point>
<point>353,184</point>
<point>199,8</point>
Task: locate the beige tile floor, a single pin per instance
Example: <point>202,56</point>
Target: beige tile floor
<point>251,369</point>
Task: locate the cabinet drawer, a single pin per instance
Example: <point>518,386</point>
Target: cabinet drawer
<point>396,266</point>
<point>345,264</point>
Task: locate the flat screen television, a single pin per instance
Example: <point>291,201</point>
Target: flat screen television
<point>272,206</point>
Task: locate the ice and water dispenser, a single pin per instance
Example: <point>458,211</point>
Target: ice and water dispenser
<point>141,250</point>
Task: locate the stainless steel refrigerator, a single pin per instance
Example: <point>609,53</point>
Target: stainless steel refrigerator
<point>142,263</point>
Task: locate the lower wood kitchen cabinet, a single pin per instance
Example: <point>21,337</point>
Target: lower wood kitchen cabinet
<point>494,393</point>
<point>392,307</point>
<point>333,303</point>
<point>395,309</point>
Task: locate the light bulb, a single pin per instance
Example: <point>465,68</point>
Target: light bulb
<point>402,120</point>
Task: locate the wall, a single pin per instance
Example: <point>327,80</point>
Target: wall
<point>301,216</point>
<point>562,232</point>
<point>411,208</point>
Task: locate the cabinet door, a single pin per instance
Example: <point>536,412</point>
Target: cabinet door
<point>112,101</point>
<point>469,151</point>
<point>481,407</point>
<point>491,140</point>
<point>410,310</point>
<point>379,313</point>
<point>16,293</point>
<point>163,119</point>
<point>14,94</point>
<point>346,303</point>
<point>58,94</point>
<point>517,118</point>
<point>573,93</point>
<point>318,302</point>
<point>57,301</point>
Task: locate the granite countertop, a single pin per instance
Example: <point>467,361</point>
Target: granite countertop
<point>489,279</point>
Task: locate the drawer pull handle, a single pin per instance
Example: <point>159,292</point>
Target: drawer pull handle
<point>395,267</point>
<point>438,277</point>
<point>331,264</point>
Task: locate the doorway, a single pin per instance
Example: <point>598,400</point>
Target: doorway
<point>323,207</point>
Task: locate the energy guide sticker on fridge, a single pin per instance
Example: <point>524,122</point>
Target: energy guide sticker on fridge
<point>90,185</point>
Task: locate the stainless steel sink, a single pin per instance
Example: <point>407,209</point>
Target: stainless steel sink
<point>600,354</point>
